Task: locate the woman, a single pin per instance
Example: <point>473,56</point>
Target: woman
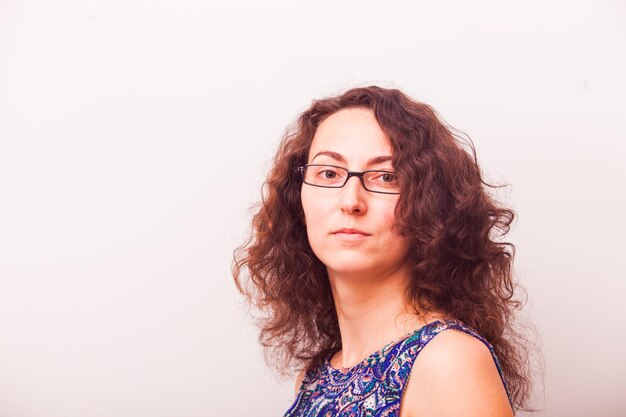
<point>375,236</point>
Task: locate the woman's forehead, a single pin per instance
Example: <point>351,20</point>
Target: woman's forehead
<point>351,135</point>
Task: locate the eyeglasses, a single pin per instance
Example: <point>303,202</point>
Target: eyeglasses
<point>332,176</point>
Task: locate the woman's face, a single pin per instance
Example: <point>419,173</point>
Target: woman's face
<point>350,138</point>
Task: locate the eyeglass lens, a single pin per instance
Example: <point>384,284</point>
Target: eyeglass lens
<point>336,177</point>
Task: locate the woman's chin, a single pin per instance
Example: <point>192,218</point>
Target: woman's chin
<point>351,265</point>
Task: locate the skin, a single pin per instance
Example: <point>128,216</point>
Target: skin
<point>454,374</point>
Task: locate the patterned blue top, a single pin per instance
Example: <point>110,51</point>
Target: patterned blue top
<point>373,387</point>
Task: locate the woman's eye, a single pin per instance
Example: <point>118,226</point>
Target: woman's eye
<point>331,176</point>
<point>389,177</point>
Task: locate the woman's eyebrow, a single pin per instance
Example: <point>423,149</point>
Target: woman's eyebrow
<point>340,158</point>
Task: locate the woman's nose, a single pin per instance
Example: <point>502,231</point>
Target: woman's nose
<point>353,196</point>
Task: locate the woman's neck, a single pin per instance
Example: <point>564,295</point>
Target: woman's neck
<point>372,311</point>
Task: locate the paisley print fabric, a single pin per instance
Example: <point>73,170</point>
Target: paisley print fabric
<point>373,387</point>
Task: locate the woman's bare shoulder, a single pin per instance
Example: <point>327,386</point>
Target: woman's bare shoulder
<point>299,380</point>
<point>455,374</point>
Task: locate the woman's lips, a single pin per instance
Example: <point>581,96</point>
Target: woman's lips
<point>350,237</point>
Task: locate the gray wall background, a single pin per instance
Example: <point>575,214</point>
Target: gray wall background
<point>134,135</point>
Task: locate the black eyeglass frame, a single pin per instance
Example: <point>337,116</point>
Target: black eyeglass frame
<point>350,174</point>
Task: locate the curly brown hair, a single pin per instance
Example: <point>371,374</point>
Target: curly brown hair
<point>460,265</point>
